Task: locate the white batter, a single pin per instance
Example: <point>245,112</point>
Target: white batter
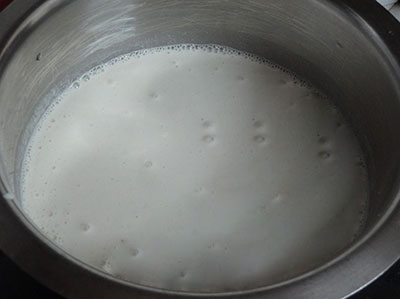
<point>195,168</point>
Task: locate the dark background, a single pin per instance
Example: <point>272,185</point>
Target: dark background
<point>15,284</point>
<point>4,3</point>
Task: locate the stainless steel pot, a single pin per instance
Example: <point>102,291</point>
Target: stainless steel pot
<point>350,49</point>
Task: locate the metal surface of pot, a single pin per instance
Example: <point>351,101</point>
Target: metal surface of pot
<point>341,47</point>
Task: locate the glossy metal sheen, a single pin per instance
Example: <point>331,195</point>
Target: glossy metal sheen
<point>350,49</point>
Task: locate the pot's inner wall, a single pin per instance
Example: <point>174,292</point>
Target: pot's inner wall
<point>316,41</point>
